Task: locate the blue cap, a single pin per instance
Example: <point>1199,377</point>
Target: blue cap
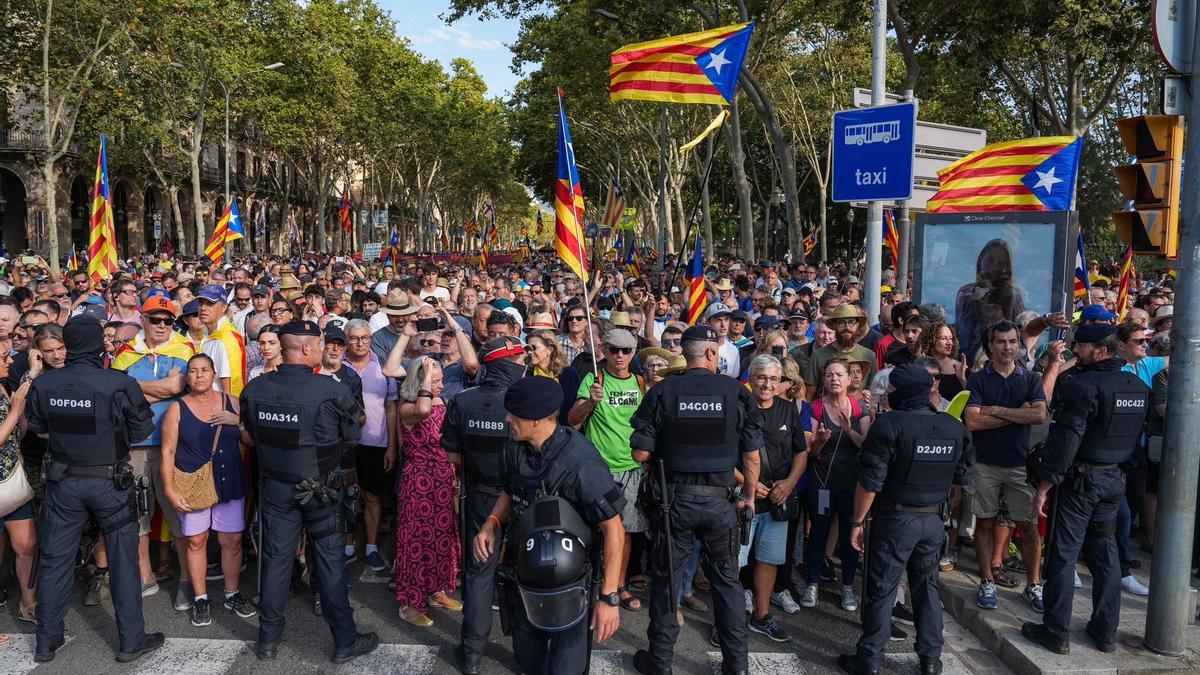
<point>192,307</point>
<point>213,293</point>
<point>301,327</point>
<point>1096,313</point>
<point>334,332</point>
<point>700,334</point>
<point>533,398</point>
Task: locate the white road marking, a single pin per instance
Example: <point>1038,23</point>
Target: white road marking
<point>191,656</point>
<point>389,658</point>
<point>16,657</point>
<point>369,576</point>
<point>608,662</point>
<point>764,663</point>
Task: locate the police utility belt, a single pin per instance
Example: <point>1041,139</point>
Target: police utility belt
<point>885,505</point>
<point>729,493</point>
<point>121,473</point>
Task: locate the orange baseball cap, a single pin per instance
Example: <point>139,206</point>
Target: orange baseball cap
<point>158,303</point>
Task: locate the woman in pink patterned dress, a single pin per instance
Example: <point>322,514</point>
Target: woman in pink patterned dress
<point>427,541</point>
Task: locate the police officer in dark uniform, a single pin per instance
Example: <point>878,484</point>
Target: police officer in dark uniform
<point>695,425</point>
<point>301,423</point>
<point>1097,417</point>
<point>91,416</point>
<point>909,461</point>
<point>544,459</point>
<point>473,435</point>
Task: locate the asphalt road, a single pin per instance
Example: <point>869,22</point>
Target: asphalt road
<point>818,635</point>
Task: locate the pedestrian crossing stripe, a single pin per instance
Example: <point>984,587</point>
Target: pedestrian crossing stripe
<point>194,656</point>
<point>370,577</point>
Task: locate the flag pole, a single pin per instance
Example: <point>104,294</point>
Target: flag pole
<point>587,306</point>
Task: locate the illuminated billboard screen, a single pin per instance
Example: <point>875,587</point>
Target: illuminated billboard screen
<point>984,267</point>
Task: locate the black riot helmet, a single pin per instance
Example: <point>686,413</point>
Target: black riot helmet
<point>553,566</point>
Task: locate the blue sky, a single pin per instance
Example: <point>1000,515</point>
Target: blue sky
<point>482,42</point>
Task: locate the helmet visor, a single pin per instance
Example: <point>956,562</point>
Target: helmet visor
<point>555,610</point>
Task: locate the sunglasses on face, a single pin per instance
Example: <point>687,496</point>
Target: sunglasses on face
<point>621,350</point>
<point>672,343</point>
<point>32,326</point>
<point>576,318</point>
<point>280,310</point>
<point>1138,341</point>
<point>60,295</point>
<point>429,343</point>
<point>160,320</point>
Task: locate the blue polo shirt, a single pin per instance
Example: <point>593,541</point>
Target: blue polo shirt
<point>1006,446</point>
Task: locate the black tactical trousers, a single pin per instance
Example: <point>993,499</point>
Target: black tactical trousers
<point>479,579</point>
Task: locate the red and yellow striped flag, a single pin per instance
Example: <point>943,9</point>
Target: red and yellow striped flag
<point>693,68</point>
<point>102,238</point>
<point>1031,174</point>
<point>568,202</point>
<point>1127,272</point>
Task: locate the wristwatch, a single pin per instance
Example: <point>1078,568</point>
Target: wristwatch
<point>613,599</point>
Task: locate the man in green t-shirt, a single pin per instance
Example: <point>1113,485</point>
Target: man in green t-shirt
<point>604,407</point>
<point>850,325</point>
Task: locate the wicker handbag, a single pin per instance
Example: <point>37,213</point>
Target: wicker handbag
<point>198,487</point>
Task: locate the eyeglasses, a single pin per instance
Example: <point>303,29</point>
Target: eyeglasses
<point>127,291</point>
<point>845,323</point>
<point>359,338</point>
<point>769,379</point>
<point>160,320</point>
<point>33,326</point>
<point>280,310</point>
<point>1137,341</point>
<point>620,350</point>
<point>60,295</point>
<point>672,343</point>
<point>241,301</point>
<point>576,317</point>
<point>429,343</point>
<point>655,365</point>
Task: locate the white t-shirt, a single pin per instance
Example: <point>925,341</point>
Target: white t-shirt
<point>216,351</point>
<point>730,360</point>
<point>437,292</point>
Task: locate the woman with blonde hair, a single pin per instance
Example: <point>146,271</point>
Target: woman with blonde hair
<point>548,359</point>
<point>773,343</point>
<point>427,542</point>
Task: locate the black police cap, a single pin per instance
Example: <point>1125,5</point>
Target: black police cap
<point>699,333</point>
<point>1094,332</point>
<point>533,398</point>
<point>300,327</point>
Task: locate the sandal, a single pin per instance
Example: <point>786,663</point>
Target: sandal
<point>630,603</point>
<point>440,599</point>
<point>639,582</point>
<point>164,571</point>
<point>416,618</point>
<point>28,614</point>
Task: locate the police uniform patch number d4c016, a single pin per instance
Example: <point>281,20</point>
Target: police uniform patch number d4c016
<point>701,406</point>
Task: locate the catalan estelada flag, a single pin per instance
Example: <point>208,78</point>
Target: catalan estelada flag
<point>1127,272</point>
<point>1082,283</point>
<point>391,254</point>
<point>891,237</point>
<point>568,202</point>
<point>614,206</point>
<point>633,264</point>
<point>1032,174</point>
<point>229,229</point>
<point>73,260</point>
<point>102,238</point>
<point>697,298</point>
<point>540,227</point>
<point>810,241</point>
<point>694,68</point>
<point>344,212</point>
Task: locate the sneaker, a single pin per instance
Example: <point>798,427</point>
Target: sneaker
<point>898,634</point>
<point>1004,578</point>
<point>1131,585</point>
<point>712,638</point>
<point>987,595</point>
<point>149,588</point>
<point>97,589</point>
<point>1078,581</point>
<point>317,604</point>
<point>849,602</point>
<point>376,562</point>
<point>783,600</point>
<point>693,603</point>
<point>828,572</point>
<point>350,557</point>
<point>201,613</point>
<point>809,599</point>
<point>767,626</point>
<point>903,614</point>
<point>948,561</point>
<point>749,602</point>
<point>1033,593</point>
<point>238,604</point>
<point>183,596</point>
<point>214,572</point>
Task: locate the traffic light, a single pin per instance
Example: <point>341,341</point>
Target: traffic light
<point>1152,183</point>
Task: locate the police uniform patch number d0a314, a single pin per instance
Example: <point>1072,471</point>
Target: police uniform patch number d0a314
<point>278,425</point>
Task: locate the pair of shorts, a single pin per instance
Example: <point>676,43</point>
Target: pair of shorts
<point>991,481</point>
<point>162,505</point>
<point>770,535</point>
<point>368,463</point>
<point>223,517</point>
<point>23,512</point>
<point>631,516</point>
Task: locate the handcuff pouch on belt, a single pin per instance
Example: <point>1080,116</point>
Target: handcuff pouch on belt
<point>1080,477</point>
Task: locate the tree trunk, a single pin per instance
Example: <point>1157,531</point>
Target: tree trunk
<point>737,158</point>
<point>705,207</point>
<point>781,144</point>
<point>677,235</point>
<point>177,214</point>
<point>48,172</point>
<point>822,218</point>
<point>197,199</point>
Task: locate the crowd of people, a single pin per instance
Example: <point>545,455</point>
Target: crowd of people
<point>407,341</point>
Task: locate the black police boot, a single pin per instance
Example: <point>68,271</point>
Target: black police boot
<point>466,666</point>
<point>47,655</point>
<point>1038,634</point>
<point>644,665</point>
<point>855,664</point>
<point>265,651</point>
<point>153,641</point>
<point>365,644</point>
<point>1102,643</point>
<point>930,666</point>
